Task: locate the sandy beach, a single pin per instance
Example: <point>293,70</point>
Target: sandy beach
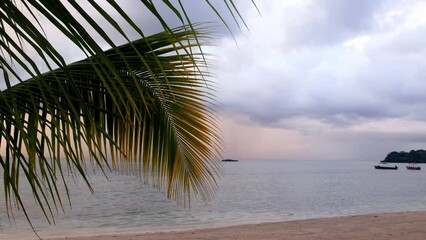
<point>405,225</point>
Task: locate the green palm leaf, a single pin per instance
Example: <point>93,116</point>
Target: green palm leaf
<point>145,105</point>
<point>149,106</point>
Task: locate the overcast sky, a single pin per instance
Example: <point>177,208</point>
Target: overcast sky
<point>324,79</point>
<point>314,79</point>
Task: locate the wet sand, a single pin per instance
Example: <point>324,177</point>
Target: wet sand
<point>405,225</point>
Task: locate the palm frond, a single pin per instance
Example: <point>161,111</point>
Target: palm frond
<point>141,105</point>
<point>146,107</point>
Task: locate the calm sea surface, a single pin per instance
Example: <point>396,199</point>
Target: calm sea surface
<point>249,192</point>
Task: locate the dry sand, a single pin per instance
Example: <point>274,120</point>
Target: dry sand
<point>406,225</point>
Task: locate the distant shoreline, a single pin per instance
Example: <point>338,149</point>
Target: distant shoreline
<point>384,226</point>
<point>413,156</point>
<point>420,162</point>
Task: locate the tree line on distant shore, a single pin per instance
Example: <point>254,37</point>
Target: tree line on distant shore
<point>414,156</point>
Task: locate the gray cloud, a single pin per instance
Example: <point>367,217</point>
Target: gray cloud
<point>326,22</point>
<point>198,11</point>
<point>363,71</point>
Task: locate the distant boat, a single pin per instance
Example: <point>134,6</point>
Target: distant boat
<point>229,160</point>
<point>414,166</point>
<point>384,167</point>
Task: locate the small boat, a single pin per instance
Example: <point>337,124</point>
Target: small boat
<point>229,160</point>
<point>384,167</point>
<point>414,166</point>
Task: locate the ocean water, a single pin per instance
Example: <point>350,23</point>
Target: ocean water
<point>249,192</point>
